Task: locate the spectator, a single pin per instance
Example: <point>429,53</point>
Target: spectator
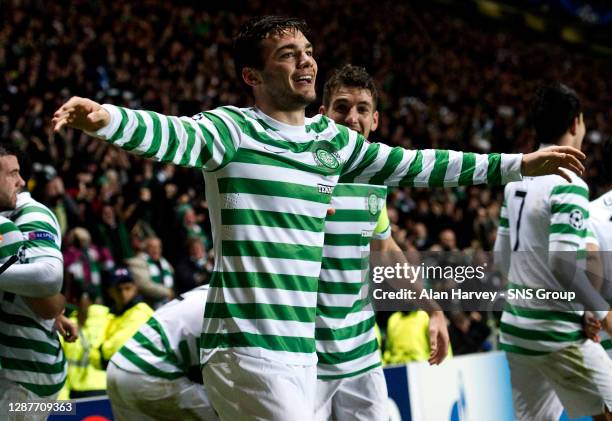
<point>113,234</point>
<point>152,273</point>
<point>194,269</point>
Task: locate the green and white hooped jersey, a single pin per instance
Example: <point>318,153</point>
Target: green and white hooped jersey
<point>536,214</point>
<point>167,346</point>
<point>269,185</point>
<point>30,349</point>
<point>600,223</point>
<point>345,338</point>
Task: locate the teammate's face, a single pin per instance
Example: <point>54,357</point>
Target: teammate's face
<point>10,182</point>
<point>287,80</point>
<point>354,108</point>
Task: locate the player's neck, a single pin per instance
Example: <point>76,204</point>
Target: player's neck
<point>568,140</point>
<point>292,118</point>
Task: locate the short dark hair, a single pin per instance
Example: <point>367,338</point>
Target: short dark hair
<point>351,76</point>
<point>247,44</point>
<point>8,149</point>
<point>553,111</point>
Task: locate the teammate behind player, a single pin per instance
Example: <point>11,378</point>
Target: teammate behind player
<point>350,376</point>
<point>552,365</point>
<point>269,174</point>
<point>156,374</point>
<point>600,223</point>
<point>31,357</point>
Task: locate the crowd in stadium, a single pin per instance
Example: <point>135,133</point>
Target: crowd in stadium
<point>443,83</point>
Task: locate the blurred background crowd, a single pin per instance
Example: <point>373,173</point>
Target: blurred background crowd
<point>447,79</point>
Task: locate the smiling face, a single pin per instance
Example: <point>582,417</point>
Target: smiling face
<point>354,108</point>
<point>287,80</point>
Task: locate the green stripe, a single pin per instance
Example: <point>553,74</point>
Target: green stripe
<point>358,190</point>
<point>257,311</point>
<point>564,316</point>
<point>436,177</point>
<point>44,390</point>
<point>138,136</point>
<point>494,170</point>
<point>119,133</point>
<point>185,354</point>
<point>271,250</point>
<point>271,342</point>
<point>393,160</point>
<point>10,249</point>
<point>32,208</point>
<point>318,126</point>
<point>38,226</point>
<point>157,136</point>
<point>249,156</point>
<point>415,168</point>
<point>567,229</point>
<point>352,374</point>
<point>23,321</point>
<point>567,208</point>
<point>172,143</point>
<point>157,327</point>
<point>34,366</point>
<point>539,335</point>
<point>607,344</point>
<point>342,357</point>
<point>271,219</point>
<point>345,263</point>
<point>468,165</point>
<point>351,215</point>
<point>520,350</point>
<point>327,334</point>
<point>267,280</point>
<point>340,287</point>
<point>503,222</point>
<point>368,159</point>
<point>7,227</point>
<point>224,135</point>
<point>571,189</point>
<point>30,344</point>
<point>191,136</point>
<point>346,240</point>
<point>272,188</point>
<point>146,367</point>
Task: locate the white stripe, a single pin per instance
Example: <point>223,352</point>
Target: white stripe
<point>163,146</point>
<point>346,345</point>
<point>349,366</point>
<point>545,346</point>
<point>147,140</point>
<point>400,171</point>
<point>337,227</point>
<point>335,275</point>
<point>345,252</point>
<point>482,167</point>
<point>350,320</point>
<point>338,300</point>
<point>429,159</point>
<point>271,234</point>
<point>266,296</point>
<point>540,324</point>
<point>271,173</point>
<point>261,327</point>
<point>381,159</point>
<point>128,129</point>
<point>273,203</point>
<point>200,142</point>
<point>269,265</point>
<point>182,137</point>
<point>453,170</point>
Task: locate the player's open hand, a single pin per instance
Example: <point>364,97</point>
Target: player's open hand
<point>550,161</point>
<point>80,113</point>
<point>438,337</point>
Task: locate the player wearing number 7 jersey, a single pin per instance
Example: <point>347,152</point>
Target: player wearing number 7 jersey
<point>269,175</point>
<point>552,364</point>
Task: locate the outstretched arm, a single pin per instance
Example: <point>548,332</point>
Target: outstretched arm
<point>206,141</point>
<point>376,163</point>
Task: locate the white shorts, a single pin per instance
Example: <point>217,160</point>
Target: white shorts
<point>242,387</point>
<point>577,378</point>
<point>362,397</point>
<point>14,392</point>
<point>138,396</point>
